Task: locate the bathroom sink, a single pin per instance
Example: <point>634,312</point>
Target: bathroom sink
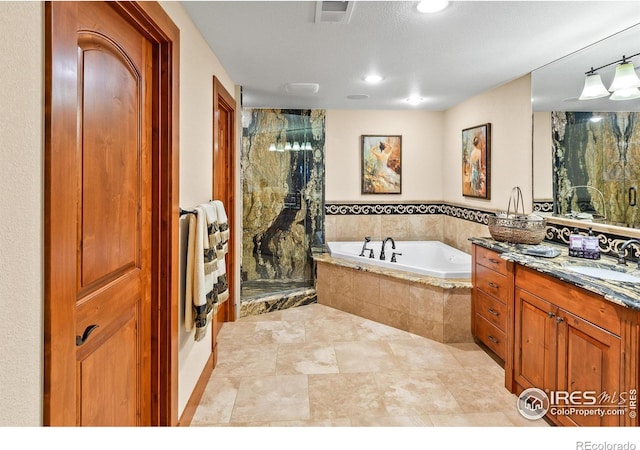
<point>604,274</point>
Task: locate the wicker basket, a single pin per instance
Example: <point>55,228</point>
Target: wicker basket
<point>517,228</point>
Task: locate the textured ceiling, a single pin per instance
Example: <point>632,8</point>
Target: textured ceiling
<point>445,58</point>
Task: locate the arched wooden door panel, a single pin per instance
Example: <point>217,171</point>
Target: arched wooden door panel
<point>108,194</point>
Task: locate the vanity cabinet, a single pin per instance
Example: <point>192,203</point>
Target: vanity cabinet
<point>570,340</point>
<point>491,305</point>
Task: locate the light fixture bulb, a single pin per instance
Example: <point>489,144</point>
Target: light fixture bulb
<point>272,148</point>
<point>625,77</point>
<point>414,100</point>
<point>432,6</point>
<point>593,88</point>
<point>373,78</point>
<point>625,94</point>
<point>287,146</point>
<point>296,146</point>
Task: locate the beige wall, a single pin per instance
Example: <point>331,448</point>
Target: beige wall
<point>21,221</point>
<point>21,184</point>
<point>198,65</point>
<point>508,109</point>
<point>421,152</point>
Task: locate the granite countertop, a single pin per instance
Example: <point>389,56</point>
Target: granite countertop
<point>622,293</point>
<point>408,276</point>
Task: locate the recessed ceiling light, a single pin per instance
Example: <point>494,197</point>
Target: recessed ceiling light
<point>373,78</point>
<point>357,96</point>
<point>414,100</point>
<point>432,6</point>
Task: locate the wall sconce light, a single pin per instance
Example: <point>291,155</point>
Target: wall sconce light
<point>624,86</point>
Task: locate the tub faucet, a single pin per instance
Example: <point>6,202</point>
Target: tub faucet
<point>367,239</point>
<point>384,243</point>
<point>621,256</point>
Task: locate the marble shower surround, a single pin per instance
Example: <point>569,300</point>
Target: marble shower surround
<point>282,193</point>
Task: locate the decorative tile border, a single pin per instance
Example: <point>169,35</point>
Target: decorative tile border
<point>543,205</point>
<point>359,209</point>
<point>609,243</point>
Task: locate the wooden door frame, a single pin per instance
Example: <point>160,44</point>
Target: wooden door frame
<point>60,384</point>
<point>224,168</point>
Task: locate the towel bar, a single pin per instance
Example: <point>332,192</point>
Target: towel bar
<point>184,211</point>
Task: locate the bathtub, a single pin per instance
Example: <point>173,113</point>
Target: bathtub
<point>431,258</point>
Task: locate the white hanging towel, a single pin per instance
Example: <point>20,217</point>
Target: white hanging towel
<point>202,273</point>
<point>223,248</point>
<point>223,224</point>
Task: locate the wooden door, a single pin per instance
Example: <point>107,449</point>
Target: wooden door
<point>534,359</point>
<point>99,215</point>
<point>589,361</point>
<point>224,110</point>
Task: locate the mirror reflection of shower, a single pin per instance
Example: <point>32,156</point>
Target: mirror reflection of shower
<point>283,201</point>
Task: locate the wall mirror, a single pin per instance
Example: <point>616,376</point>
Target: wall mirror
<point>586,153</point>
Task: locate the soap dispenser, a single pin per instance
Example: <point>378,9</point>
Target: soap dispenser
<point>576,244</point>
<point>591,246</point>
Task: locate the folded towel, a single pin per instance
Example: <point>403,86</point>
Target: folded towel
<point>202,274</point>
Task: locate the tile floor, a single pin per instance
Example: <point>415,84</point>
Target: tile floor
<point>317,366</point>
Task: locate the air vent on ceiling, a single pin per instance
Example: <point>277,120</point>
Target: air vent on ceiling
<point>334,11</point>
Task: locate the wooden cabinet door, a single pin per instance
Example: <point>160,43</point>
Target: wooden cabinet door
<point>535,329</point>
<point>99,176</point>
<point>589,361</point>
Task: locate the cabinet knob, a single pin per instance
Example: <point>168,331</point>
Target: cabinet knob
<point>559,319</point>
<point>550,314</point>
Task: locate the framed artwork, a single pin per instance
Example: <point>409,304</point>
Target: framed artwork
<point>381,164</point>
<point>476,161</point>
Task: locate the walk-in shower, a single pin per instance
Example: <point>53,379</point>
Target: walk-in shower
<point>283,206</point>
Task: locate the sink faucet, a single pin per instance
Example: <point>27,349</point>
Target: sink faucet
<point>367,239</point>
<point>384,243</point>
<point>621,251</point>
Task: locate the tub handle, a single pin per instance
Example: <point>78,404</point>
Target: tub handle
<point>393,256</point>
<point>494,312</point>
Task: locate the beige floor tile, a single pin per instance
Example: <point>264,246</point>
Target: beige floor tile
<point>344,395</point>
<point>278,332</point>
<point>217,402</point>
<point>276,398</point>
<point>423,353</point>
<point>415,393</point>
<point>307,358</point>
<point>477,390</point>
<point>485,419</point>
<point>330,330</point>
<point>392,421</point>
<point>364,356</point>
<point>250,360</point>
<point>316,366</point>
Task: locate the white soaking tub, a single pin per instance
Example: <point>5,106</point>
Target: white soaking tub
<point>431,258</point>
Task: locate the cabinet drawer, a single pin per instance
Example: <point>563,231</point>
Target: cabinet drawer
<point>491,309</point>
<point>492,283</point>
<point>491,336</point>
<point>489,258</point>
